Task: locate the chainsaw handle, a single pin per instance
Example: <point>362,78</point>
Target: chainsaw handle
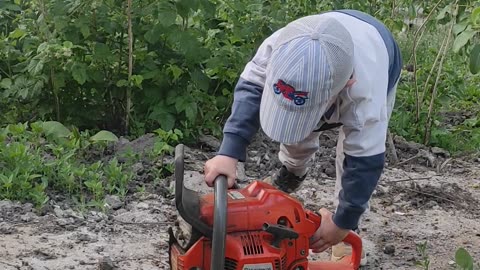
<point>353,239</point>
<point>219,223</point>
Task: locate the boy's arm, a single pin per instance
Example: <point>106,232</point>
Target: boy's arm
<point>364,150</point>
<point>244,121</point>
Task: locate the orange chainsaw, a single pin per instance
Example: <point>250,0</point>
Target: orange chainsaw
<point>257,227</point>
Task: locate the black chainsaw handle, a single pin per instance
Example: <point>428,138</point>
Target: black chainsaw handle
<point>187,203</point>
<point>219,223</point>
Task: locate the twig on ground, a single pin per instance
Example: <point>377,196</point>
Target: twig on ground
<point>10,264</point>
<point>145,258</point>
<point>391,144</point>
<point>431,195</point>
<point>144,223</point>
<point>419,154</point>
<point>410,179</point>
<point>441,167</point>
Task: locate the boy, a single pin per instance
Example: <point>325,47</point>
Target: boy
<point>335,69</point>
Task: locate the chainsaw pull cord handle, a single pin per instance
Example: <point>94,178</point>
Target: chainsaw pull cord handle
<point>219,223</point>
<point>353,239</point>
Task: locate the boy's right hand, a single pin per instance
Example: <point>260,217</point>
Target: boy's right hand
<point>221,165</point>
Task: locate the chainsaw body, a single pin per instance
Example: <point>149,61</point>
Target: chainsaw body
<point>257,227</point>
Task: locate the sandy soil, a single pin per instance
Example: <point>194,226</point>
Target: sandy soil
<point>431,199</point>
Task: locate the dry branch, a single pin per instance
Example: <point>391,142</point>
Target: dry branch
<point>410,179</point>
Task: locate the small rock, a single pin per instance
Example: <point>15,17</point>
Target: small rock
<point>29,216</point>
<point>73,214</point>
<point>99,249</point>
<point>440,152</point>
<point>411,259</point>
<point>106,263</point>
<point>142,206</point>
<point>122,140</point>
<point>96,216</point>
<point>121,211</point>
<point>389,249</point>
<point>65,221</point>
<point>83,237</point>
<point>6,205</point>
<point>138,168</point>
<point>6,229</point>
<point>44,255</point>
<point>431,204</point>
<point>114,202</point>
<point>381,190</point>
<point>241,176</point>
<point>27,207</point>
<point>58,211</point>
<point>210,141</point>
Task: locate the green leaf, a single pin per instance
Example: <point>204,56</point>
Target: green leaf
<point>167,14</point>
<point>181,103</point>
<point>475,17</point>
<point>85,30</point>
<point>462,39</point>
<point>463,259</point>
<point>55,129</point>
<point>200,79</point>
<point>176,71</point>
<point>191,111</point>
<point>443,12</point>
<point>472,122</point>
<point>122,83</point>
<point>17,33</point>
<point>6,83</point>
<point>189,45</point>
<point>167,122</point>
<point>68,44</point>
<point>209,7</point>
<point>459,27</point>
<point>59,80</point>
<point>163,117</point>
<point>35,66</point>
<point>475,59</point>
<point>102,52</point>
<point>184,7</point>
<point>79,72</point>
<point>10,6</point>
<point>105,136</point>
<point>137,80</point>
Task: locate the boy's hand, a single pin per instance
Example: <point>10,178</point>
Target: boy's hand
<point>220,165</point>
<point>328,234</point>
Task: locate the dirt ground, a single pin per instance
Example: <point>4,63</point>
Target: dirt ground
<point>427,197</point>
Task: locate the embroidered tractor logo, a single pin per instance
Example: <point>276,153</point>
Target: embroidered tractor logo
<point>289,92</point>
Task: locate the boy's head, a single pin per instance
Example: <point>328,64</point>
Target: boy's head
<point>311,61</point>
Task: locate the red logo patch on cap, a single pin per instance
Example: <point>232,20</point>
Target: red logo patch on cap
<point>289,92</point>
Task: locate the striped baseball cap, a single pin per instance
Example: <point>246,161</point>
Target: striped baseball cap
<point>311,61</point>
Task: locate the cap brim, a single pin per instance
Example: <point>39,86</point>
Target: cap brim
<point>284,124</point>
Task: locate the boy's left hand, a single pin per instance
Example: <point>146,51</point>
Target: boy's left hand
<point>328,234</point>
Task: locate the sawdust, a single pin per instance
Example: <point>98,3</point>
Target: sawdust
<point>439,208</point>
